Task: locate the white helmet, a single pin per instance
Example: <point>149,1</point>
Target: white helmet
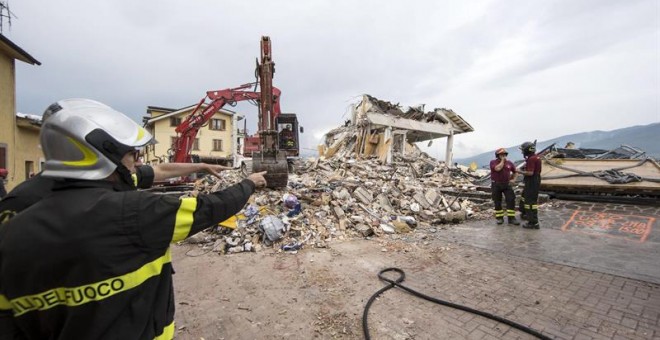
<point>85,139</point>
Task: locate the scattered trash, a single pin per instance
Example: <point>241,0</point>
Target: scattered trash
<point>290,201</point>
<point>295,211</point>
<point>387,228</point>
<point>272,227</point>
<point>292,246</point>
<point>252,212</point>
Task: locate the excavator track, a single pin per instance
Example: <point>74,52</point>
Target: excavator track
<point>277,168</point>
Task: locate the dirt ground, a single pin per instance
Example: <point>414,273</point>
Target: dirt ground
<point>315,293</point>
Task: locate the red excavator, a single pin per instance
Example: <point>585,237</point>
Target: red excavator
<point>277,135</point>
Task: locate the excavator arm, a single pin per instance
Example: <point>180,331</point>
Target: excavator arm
<point>269,157</point>
<point>188,129</point>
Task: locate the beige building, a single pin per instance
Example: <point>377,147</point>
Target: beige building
<point>19,134</point>
<point>215,142</point>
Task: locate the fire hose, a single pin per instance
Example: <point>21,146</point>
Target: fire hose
<point>402,276</point>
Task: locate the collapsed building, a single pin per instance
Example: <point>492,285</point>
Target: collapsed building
<point>382,129</point>
<point>370,179</point>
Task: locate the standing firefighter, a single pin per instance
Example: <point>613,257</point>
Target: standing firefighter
<point>502,175</point>
<point>532,171</point>
<point>99,264</point>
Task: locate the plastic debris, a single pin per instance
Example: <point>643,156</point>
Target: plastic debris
<point>272,228</point>
<point>295,211</point>
<point>290,201</point>
<point>292,246</point>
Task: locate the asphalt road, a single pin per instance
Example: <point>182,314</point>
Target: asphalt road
<point>618,239</point>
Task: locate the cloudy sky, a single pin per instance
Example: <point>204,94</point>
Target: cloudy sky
<point>516,70</point>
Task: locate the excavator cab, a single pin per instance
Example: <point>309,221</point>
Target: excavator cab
<point>288,138</point>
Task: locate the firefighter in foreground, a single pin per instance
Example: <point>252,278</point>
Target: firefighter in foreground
<point>529,208</point>
<point>37,187</point>
<point>92,260</point>
<point>502,175</point>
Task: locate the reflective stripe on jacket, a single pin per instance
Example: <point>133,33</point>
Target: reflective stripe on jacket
<point>89,262</point>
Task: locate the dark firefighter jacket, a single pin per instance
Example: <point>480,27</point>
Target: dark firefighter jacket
<point>91,262</point>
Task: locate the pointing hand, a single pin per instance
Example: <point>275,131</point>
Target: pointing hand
<point>258,179</point>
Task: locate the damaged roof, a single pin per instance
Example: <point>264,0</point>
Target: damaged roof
<point>421,126</point>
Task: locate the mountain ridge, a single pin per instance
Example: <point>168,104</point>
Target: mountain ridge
<point>644,137</point>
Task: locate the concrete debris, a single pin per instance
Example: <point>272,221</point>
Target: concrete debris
<point>339,199</point>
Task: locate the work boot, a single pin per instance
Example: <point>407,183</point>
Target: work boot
<point>530,225</point>
<point>500,220</point>
<point>523,216</point>
<point>513,220</point>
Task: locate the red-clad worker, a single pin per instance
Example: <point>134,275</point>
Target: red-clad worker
<point>502,175</point>
<point>532,171</point>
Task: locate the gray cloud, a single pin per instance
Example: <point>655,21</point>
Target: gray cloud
<point>514,69</point>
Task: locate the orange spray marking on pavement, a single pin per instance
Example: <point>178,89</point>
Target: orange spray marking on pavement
<point>611,225</point>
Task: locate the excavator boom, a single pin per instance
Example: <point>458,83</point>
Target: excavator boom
<point>267,156</point>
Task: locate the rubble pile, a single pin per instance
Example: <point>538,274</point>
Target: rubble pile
<point>334,199</point>
<point>370,180</point>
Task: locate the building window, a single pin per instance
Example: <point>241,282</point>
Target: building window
<point>29,169</point>
<point>175,121</point>
<point>195,145</point>
<point>3,155</point>
<point>217,124</point>
<point>217,145</point>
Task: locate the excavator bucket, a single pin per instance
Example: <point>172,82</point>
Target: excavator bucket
<point>276,165</point>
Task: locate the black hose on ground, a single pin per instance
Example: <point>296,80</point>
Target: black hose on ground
<point>396,283</point>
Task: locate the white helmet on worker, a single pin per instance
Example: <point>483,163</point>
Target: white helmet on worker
<point>85,139</point>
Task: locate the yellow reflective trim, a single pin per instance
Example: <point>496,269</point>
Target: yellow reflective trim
<point>168,333</point>
<point>89,157</point>
<point>4,303</point>
<point>184,218</point>
<point>140,134</point>
<point>134,178</point>
<point>76,296</point>
<point>6,215</point>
